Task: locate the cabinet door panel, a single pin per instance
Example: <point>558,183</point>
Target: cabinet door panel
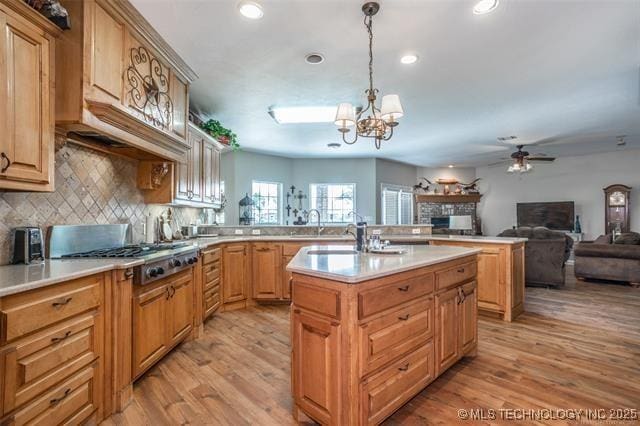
<point>316,380</point>
<point>183,172</point>
<point>266,260</point>
<point>468,313</point>
<point>195,176</point>
<point>179,97</point>
<point>234,271</point>
<point>181,309</point>
<point>27,135</point>
<point>208,181</point>
<point>107,56</point>
<point>287,278</point>
<point>490,279</point>
<point>149,327</point>
<point>447,351</point>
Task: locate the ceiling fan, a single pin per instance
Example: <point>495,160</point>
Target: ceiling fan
<point>522,160</point>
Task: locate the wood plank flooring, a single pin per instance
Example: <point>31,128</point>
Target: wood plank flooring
<point>575,348</point>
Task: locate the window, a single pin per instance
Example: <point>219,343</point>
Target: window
<point>397,205</point>
<point>334,201</point>
<point>267,197</point>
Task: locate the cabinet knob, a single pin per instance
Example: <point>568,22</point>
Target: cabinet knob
<point>4,157</point>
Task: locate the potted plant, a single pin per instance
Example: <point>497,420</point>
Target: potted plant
<point>221,133</point>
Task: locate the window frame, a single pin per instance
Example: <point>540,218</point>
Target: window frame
<point>279,200</point>
<point>353,184</point>
<point>401,189</point>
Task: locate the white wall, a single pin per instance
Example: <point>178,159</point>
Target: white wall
<point>579,179</point>
<point>463,174</point>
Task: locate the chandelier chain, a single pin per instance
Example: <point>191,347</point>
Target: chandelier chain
<point>368,22</point>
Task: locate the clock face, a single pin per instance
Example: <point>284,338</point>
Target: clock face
<point>617,199</point>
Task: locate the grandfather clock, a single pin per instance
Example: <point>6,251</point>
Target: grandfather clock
<point>616,208</point>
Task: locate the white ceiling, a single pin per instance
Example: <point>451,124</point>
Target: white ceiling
<point>568,70</point>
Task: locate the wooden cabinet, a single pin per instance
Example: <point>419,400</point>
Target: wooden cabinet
<point>27,82</point>
<point>447,323</point>
<point>267,281</point>
<point>52,354</point>
<point>456,322</point>
<point>211,267</point>
<point>235,273</point>
<point>195,182</point>
<point>162,317</point>
<point>361,351</point>
<point>317,365</point>
<point>118,79</point>
<point>500,288</point>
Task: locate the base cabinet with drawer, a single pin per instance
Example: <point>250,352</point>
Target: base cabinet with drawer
<point>361,351</point>
<point>52,353</point>
<point>500,281</point>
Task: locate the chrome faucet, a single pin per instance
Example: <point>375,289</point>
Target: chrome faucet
<point>319,228</point>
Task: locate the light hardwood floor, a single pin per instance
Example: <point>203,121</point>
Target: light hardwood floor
<point>576,348</point>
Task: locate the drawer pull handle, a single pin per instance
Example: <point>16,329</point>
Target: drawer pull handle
<point>56,401</point>
<point>404,317</point>
<point>405,288</point>
<point>263,249</point>
<point>461,295</point>
<point>62,303</point>
<point>461,270</point>
<point>404,367</point>
<point>4,157</point>
<point>59,339</point>
<point>168,296</point>
<point>128,274</point>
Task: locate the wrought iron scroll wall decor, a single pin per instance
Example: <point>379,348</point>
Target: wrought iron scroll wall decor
<point>149,88</point>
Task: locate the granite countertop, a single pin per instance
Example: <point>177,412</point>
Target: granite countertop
<point>477,239</point>
<point>19,278</point>
<point>355,268</point>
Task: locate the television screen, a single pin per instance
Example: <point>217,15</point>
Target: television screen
<point>558,215</point>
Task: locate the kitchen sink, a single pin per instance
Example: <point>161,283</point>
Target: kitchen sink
<point>326,252</point>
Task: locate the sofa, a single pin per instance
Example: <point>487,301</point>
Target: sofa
<point>605,259</point>
<point>546,253</point>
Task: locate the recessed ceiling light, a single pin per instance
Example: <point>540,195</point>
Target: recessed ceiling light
<point>314,58</point>
<point>409,59</point>
<point>289,115</point>
<point>334,145</point>
<point>451,166</point>
<point>485,6</point>
<point>250,9</point>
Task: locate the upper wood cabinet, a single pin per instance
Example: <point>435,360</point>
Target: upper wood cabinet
<point>27,81</point>
<point>195,182</point>
<point>119,80</point>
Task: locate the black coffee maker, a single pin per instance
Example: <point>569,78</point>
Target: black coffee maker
<point>28,245</point>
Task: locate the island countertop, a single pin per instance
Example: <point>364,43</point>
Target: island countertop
<point>355,268</point>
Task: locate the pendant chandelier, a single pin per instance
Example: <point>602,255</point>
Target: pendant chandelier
<point>371,122</point>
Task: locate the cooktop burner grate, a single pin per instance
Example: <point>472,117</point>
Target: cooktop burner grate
<point>126,251</point>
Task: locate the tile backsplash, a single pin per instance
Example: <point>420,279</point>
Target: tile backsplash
<point>91,188</point>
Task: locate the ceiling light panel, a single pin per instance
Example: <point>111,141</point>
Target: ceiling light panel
<point>409,59</point>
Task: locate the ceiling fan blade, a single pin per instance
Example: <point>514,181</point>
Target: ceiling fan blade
<point>548,159</point>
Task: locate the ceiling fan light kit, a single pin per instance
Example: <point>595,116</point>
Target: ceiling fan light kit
<point>371,122</point>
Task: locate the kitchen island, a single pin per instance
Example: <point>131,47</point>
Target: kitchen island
<point>370,331</point>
